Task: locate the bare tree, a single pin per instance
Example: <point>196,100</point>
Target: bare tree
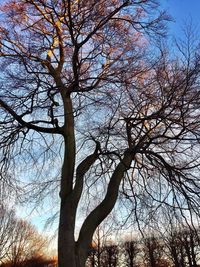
<point>78,86</point>
<point>182,244</point>
<point>40,261</point>
<point>178,237</point>
<point>19,240</point>
<point>110,255</point>
<point>25,244</point>
<point>131,251</point>
<point>100,239</point>
<point>153,251</point>
<point>7,222</point>
<point>191,238</point>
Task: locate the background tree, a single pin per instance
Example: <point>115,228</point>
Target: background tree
<point>40,261</point>
<point>153,251</point>
<point>19,240</point>
<point>7,225</point>
<point>101,238</point>
<point>99,241</point>
<point>110,255</point>
<point>182,243</point>
<point>191,243</point>
<point>131,251</point>
<point>25,244</point>
<point>79,86</point>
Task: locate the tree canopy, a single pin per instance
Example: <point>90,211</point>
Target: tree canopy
<point>92,101</point>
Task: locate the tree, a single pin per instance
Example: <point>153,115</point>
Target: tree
<point>25,243</point>
<point>98,244</point>
<point>7,220</point>
<point>101,239</point>
<point>131,250</point>
<point>191,245</point>
<point>19,240</point>
<point>153,251</point>
<point>110,255</point>
<point>182,243</point>
<point>40,261</point>
<point>80,87</point>
<point>36,261</point>
<point>177,239</point>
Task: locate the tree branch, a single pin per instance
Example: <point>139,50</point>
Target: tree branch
<point>28,125</point>
<point>81,170</point>
<point>106,206</point>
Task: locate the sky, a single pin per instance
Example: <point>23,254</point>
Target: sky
<point>181,12</point>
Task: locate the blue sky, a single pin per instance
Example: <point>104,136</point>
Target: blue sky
<point>182,11</point>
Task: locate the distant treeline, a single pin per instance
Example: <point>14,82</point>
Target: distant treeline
<point>178,249</point>
<point>37,261</point>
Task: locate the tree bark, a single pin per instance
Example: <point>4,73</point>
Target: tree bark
<point>71,253</point>
<point>66,241</point>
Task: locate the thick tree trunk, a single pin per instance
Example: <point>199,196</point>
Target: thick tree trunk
<point>66,242</point>
<point>68,253</point>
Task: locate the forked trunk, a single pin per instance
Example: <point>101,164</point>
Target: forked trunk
<point>69,258</point>
<point>69,255</point>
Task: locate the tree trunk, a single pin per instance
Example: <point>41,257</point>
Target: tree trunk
<point>66,242</point>
<point>69,254</point>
